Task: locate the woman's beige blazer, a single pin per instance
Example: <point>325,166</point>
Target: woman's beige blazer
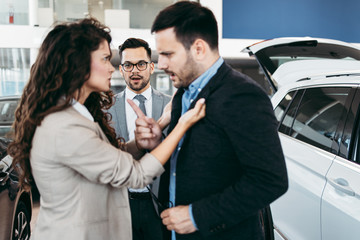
<point>83,180</point>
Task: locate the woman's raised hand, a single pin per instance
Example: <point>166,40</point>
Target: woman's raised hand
<point>193,115</point>
<point>148,132</point>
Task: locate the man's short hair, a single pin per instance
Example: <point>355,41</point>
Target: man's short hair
<point>134,43</point>
<point>190,21</point>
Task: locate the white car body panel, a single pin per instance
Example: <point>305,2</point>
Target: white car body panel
<point>340,205</point>
<point>297,70</point>
<point>274,53</point>
<point>306,184</point>
<point>313,208</point>
<point>323,199</point>
<point>285,40</point>
<point>5,163</point>
<point>277,235</point>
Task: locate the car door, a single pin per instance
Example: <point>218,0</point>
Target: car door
<point>307,130</point>
<point>340,205</point>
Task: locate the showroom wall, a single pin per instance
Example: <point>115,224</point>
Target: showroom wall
<point>24,23</point>
<point>263,19</point>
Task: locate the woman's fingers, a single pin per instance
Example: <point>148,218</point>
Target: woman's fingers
<point>200,107</point>
<point>195,114</point>
<point>137,110</point>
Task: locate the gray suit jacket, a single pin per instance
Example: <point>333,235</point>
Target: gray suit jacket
<point>159,101</point>
<point>83,180</point>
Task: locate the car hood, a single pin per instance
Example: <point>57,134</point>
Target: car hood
<point>290,59</point>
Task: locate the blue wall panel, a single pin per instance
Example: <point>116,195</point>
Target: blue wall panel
<point>264,19</point>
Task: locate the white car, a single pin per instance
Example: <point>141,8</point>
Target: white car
<point>316,101</point>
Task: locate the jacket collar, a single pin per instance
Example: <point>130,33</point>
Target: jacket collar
<point>212,85</point>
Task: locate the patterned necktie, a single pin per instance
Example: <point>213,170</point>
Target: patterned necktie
<point>141,100</point>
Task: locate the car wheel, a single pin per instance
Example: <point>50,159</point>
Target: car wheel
<point>267,223</point>
<point>21,227</point>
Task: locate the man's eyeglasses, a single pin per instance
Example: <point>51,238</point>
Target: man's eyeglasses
<point>128,67</point>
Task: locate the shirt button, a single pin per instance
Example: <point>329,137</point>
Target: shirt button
<point>199,89</point>
<point>191,100</point>
<point>179,148</point>
<point>174,174</point>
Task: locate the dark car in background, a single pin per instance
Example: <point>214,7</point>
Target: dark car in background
<point>15,203</point>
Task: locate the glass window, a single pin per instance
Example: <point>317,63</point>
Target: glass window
<point>14,70</point>
<point>7,116</point>
<point>142,12</point>
<point>281,108</point>
<point>44,3</point>
<point>147,9</point>
<point>287,122</point>
<point>14,12</point>
<point>70,10</point>
<point>318,115</point>
<point>356,149</point>
<point>7,110</point>
<point>350,143</point>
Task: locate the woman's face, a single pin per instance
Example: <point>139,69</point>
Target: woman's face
<point>100,72</point>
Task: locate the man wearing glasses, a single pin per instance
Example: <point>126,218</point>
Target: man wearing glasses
<point>136,68</point>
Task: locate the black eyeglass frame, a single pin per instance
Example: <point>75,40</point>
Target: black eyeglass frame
<point>137,66</point>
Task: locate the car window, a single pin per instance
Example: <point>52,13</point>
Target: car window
<point>350,142</point>
<point>283,105</point>
<point>7,110</point>
<point>318,115</point>
<point>356,151</point>
<point>288,119</point>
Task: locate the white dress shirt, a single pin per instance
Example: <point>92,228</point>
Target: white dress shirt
<point>131,116</point>
<point>82,110</point>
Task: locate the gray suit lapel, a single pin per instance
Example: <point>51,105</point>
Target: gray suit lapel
<point>157,105</point>
<point>121,116</point>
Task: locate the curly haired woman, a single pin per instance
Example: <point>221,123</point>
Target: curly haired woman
<point>63,139</point>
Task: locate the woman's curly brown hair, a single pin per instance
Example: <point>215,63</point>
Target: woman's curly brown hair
<point>60,70</point>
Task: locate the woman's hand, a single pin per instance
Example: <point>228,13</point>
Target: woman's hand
<point>147,133</point>
<point>193,115</point>
<point>166,148</point>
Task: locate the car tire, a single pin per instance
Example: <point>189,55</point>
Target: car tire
<point>21,225</point>
<point>267,223</point>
